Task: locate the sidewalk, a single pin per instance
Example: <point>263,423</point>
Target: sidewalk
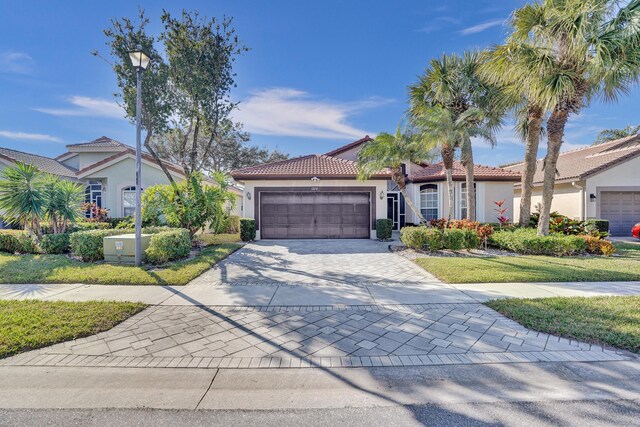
<point>282,295</point>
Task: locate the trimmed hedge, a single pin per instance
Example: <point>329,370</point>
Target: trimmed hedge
<point>526,241</point>
<point>384,227</point>
<point>17,241</point>
<point>602,225</point>
<point>435,239</point>
<point>88,245</point>
<point>247,229</point>
<point>168,246</point>
<point>55,243</point>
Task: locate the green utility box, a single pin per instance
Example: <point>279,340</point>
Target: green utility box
<point>122,248</point>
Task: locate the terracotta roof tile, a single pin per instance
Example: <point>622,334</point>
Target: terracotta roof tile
<point>103,141</point>
<point>45,164</point>
<point>320,165</point>
<point>436,172</point>
<point>582,162</point>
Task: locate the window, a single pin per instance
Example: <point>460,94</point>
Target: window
<point>429,201</point>
<point>463,200</point>
<point>93,194</point>
<point>129,201</point>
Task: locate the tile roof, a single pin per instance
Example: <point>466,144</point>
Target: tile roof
<point>582,162</point>
<point>320,165</point>
<point>436,172</point>
<point>103,141</point>
<point>349,146</point>
<point>45,164</point>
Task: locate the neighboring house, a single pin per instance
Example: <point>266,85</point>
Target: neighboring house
<point>107,168</point>
<point>599,181</point>
<point>319,195</point>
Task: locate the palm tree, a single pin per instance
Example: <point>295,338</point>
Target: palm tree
<point>63,202</point>
<point>454,83</point>
<point>579,49</point>
<point>22,196</point>
<point>391,151</point>
<point>613,134</point>
<point>507,65</point>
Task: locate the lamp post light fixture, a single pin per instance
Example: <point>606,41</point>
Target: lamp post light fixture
<point>140,62</point>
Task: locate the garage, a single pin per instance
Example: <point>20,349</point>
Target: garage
<point>315,215</point>
<point>622,209</point>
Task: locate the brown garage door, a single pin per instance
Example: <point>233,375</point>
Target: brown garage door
<point>622,209</point>
<point>314,215</point>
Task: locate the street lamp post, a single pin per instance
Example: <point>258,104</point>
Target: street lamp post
<point>140,62</point>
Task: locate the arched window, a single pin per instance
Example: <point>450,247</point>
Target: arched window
<point>129,201</point>
<point>429,201</point>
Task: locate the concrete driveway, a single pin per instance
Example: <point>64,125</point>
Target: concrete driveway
<point>317,272</point>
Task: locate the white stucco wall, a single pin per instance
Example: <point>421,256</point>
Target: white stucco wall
<point>86,159</point>
<point>486,193</point>
<point>73,162</point>
<point>380,204</point>
<point>567,200</point>
<point>624,176</point>
<point>121,175</point>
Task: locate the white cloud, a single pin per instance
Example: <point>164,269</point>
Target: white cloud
<point>481,27</point>
<point>292,112</point>
<point>28,136</point>
<point>438,24</point>
<point>86,106</point>
<point>16,62</point>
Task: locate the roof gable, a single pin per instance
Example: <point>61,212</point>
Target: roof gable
<point>583,162</point>
<point>45,164</point>
<point>103,143</point>
<point>349,146</point>
<point>128,153</point>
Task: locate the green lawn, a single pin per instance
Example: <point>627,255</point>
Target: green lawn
<point>216,239</point>
<point>613,321</point>
<point>27,325</point>
<point>61,269</point>
<point>500,269</point>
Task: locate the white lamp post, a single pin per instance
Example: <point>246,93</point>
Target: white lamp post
<point>140,62</point>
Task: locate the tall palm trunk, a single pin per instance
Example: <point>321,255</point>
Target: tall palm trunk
<point>447,152</point>
<point>400,181</point>
<point>467,162</point>
<point>555,133</point>
<point>534,126</point>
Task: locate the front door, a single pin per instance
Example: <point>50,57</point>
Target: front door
<point>395,209</point>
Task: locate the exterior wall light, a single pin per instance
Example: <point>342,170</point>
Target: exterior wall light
<point>381,194</point>
<point>248,195</point>
<point>592,197</point>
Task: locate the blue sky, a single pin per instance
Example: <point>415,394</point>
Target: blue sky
<point>318,75</point>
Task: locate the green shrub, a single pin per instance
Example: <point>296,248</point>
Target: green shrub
<point>471,239</point>
<point>9,242</point>
<point>87,225</point>
<point>384,228</point>
<point>597,226</point>
<point>526,241</point>
<point>453,239</point>
<point>247,229</point>
<point>168,246</point>
<point>88,244</point>
<point>422,238</point>
<point>55,243</point>
<point>17,241</point>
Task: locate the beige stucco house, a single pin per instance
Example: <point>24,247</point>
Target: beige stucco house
<point>107,168</point>
<point>600,181</point>
<point>319,195</point>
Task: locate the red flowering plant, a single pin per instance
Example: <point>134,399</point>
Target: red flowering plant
<point>96,214</point>
<point>438,223</point>
<point>501,209</point>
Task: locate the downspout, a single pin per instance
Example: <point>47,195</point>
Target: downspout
<point>583,200</point>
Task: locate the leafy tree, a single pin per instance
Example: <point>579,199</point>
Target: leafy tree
<point>392,151</point>
<point>579,49</point>
<point>22,196</point>
<point>201,203</point>
<point>607,135</point>
<point>454,84</point>
<point>186,90</point>
<point>228,153</point>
